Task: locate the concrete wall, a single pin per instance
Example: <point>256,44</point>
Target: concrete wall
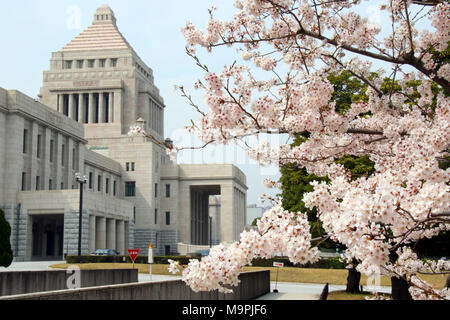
<point>252,285</point>
<point>24,282</point>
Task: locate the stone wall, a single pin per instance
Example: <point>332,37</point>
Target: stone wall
<point>25,282</point>
<point>252,286</point>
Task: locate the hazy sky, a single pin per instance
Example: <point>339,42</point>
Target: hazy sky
<point>31,30</point>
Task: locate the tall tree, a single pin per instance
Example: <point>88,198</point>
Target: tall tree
<point>296,45</point>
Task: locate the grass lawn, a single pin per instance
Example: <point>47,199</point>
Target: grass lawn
<point>287,274</point>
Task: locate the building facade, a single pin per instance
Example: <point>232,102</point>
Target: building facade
<point>96,88</point>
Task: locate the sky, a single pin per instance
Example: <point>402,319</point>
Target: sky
<point>31,30</point>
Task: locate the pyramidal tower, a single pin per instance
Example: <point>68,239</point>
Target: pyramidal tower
<point>98,80</point>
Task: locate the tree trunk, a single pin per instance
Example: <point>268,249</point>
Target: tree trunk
<point>400,289</point>
<point>324,294</point>
<point>399,286</point>
<point>353,280</point>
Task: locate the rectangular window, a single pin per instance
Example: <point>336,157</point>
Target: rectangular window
<point>62,185</point>
<point>38,151</point>
<point>25,139</point>
<point>51,150</point>
<point>91,63</point>
<point>113,63</point>
<point>168,218</point>
<point>63,151</point>
<point>134,213</point>
<point>156,216</point>
<point>102,63</point>
<point>80,64</point>
<point>156,190</point>
<point>99,183</point>
<point>132,166</point>
<point>128,166</point>
<point>107,186</point>
<point>68,64</point>
<point>38,183</point>
<point>130,189</point>
<point>114,188</point>
<point>167,190</point>
<point>91,180</point>
<point>50,183</point>
<point>24,181</point>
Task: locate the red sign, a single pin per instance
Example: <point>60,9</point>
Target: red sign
<point>133,253</point>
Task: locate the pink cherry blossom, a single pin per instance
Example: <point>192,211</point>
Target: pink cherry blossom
<point>279,86</point>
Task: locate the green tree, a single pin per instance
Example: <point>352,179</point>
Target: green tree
<point>6,254</point>
<point>296,181</point>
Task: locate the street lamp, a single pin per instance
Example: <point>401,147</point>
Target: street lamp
<point>210,231</point>
<point>82,180</point>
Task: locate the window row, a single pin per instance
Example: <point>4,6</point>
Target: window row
<point>26,149</point>
<point>39,184</point>
<point>109,184</point>
<point>90,63</point>
<point>142,70</point>
<point>167,217</point>
<point>130,189</point>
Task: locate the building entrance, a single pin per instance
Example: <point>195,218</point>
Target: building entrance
<point>200,222</point>
<point>47,237</point>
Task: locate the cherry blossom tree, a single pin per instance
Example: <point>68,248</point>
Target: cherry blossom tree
<point>279,86</point>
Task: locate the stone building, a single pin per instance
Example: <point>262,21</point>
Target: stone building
<point>96,88</point>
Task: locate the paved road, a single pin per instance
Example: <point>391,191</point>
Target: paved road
<point>30,266</point>
<point>286,290</point>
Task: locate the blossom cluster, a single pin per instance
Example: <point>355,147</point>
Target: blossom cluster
<point>279,232</point>
<point>404,129</point>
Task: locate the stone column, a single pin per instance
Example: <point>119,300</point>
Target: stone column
<point>118,104</point>
<point>81,108</point>
<point>100,236</point>
<point>71,106</point>
<point>101,108</point>
<point>226,212</point>
<point>111,107</point>
<point>92,233</point>
<point>111,233</point>
<point>91,108</point>
<point>120,240</point>
<point>126,235</point>
<point>61,103</point>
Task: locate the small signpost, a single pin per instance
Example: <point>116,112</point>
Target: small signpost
<point>278,265</point>
<point>133,253</point>
<point>150,258</point>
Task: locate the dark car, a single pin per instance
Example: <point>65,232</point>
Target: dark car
<point>105,252</point>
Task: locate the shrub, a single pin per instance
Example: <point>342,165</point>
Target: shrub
<point>6,254</point>
<point>329,263</point>
<point>125,259</point>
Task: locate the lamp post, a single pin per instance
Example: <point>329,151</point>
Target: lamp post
<point>210,232</point>
<point>82,180</point>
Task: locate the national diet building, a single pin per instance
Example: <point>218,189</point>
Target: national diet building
<point>96,88</point>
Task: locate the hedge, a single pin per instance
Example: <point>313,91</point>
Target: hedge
<point>125,259</point>
<point>329,263</point>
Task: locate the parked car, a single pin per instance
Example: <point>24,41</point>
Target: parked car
<point>105,252</point>
<point>203,253</point>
